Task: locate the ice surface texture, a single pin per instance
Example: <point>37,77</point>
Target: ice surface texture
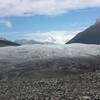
<point>38,51</point>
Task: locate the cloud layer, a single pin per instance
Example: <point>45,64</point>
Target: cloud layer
<point>43,7</point>
<point>59,37</point>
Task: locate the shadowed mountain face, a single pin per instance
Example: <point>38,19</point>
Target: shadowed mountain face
<point>89,36</point>
<point>7,43</point>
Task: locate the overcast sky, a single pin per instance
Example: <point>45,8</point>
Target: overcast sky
<point>42,19</point>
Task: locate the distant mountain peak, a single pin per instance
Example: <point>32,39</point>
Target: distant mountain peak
<point>91,35</point>
<point>7,43</point>
<point>26,41</point>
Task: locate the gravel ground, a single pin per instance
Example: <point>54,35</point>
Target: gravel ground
<point>52,79</point>
<point>80,86</point>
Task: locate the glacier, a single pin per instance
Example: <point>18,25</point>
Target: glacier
<point>43,55</point>
<point>38,51</point>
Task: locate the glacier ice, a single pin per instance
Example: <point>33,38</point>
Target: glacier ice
<point>39,51</point>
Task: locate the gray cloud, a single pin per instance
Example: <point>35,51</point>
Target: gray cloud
<point>43,7</point>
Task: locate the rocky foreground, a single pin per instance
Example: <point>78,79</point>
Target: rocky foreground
<point>49,72</point>
<point>67,83</point>
<point>83,86</point>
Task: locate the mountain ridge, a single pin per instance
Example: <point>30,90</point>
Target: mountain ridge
<point>25,41</point>
<point>7,43</point>
<point>90,35</point>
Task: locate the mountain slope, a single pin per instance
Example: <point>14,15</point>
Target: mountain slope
<point>7,43</point>
<point>90,36</point>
